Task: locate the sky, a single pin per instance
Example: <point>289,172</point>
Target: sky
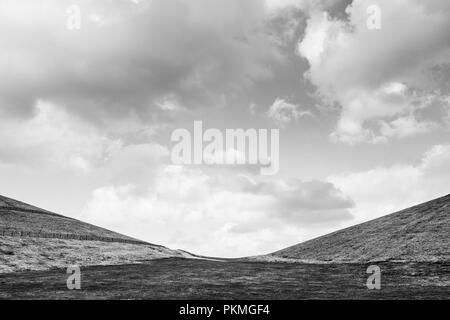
<point>91,92</point>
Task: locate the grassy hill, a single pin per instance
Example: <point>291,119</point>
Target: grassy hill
<point>115,267</point>
<point>420,233</point>
<point>18,218</point>
<point>36,239</point>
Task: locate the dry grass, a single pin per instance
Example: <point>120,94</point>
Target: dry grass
<point>201,279</point>
<point>15,220</point>
<point>18,254</point>
<point>48,240</point>
<point>420,233</point>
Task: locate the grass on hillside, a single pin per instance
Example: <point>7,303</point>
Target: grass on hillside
<point>18,254</point>
<point>420,233</point>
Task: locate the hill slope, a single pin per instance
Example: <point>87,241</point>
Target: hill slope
<point>420,233</point>
<point>18,218</point>
<point>36,239</point>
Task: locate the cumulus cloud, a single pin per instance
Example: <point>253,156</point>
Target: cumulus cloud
<point>208,213</point>
<point>283,112</point>
<point>53,138</point>
<point>405,126</point>
<point>384,190</point>
<point>299,201</point>
<point>380,76</point>
<point>130,56</point>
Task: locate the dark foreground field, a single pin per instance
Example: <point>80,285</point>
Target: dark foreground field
<point>198,279</point>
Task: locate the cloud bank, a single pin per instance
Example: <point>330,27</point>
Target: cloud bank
<point>191,209</point>
<point>386,189</point>
<point>389,83</point>
<point>128,56</point>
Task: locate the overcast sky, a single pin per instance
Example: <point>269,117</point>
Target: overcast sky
<point>86,114</point>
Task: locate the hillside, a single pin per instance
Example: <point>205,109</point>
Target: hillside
<point>18,218</point>
<point>420,233</point>
<point>35,239</point>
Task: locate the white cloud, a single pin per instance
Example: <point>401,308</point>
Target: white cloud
<point>379,74</point>
<point>52,137</point>
<point>219,215</point>
<point>405,126</point>
<point>131,56</point>
<point>282,112</point>
<point>385,190</point>
<point>169,103</point>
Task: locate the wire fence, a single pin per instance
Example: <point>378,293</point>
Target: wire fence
<point>66,236</point>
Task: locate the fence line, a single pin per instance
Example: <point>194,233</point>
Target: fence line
<point>68,236</point>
